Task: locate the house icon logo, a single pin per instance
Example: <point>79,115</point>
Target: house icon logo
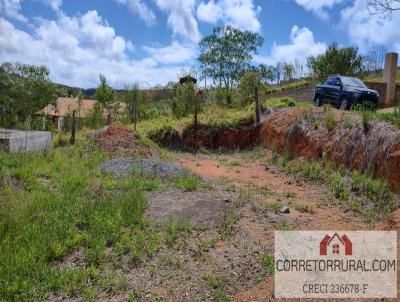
<point>335,245</point>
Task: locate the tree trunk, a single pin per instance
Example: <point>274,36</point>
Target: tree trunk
<point>257,105</point>
<point>195,111</point>
<point>135,114</point>
<point>73,128</point>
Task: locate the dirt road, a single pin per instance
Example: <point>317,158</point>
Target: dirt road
<point>311,205</point>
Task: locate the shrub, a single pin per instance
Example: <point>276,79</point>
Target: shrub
<point>339,189</point>
<point>283,102</point>
<point>329,121</point>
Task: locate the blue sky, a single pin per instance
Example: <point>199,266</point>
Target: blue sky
<point>151,41</point>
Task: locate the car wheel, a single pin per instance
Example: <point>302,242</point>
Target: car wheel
<point>318,101</point>
<point>368,105</point>
<point>344,104</point>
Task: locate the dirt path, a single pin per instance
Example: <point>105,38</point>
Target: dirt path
<point>311,207</point>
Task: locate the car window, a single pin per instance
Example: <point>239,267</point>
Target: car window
<point>330,81</point>
<point>353,82</point>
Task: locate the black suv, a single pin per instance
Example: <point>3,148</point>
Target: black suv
<point>344,92</point>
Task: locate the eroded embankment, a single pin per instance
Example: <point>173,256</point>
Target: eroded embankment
<point>341,137</point>
<point>209,138</point>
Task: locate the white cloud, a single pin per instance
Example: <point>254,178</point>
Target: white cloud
<point>11,9</point>
<point>239,13</point>
<point>210,12</point>
<point>181,18</point>
<point>77,49</point>
<point>175,53</point>
<point>319,7</point>
<point>301,46</point>
<point>367,30</point>
<point>54,4</point>
<point>140,8</point>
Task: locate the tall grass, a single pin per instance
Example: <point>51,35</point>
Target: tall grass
<point>53,204</point>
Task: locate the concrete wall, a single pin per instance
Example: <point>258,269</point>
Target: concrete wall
<point>302,94</point>
<point>22,141</point>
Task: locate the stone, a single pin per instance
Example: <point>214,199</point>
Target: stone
<point>284,210</point>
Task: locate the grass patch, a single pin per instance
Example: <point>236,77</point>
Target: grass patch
<point>357,191</point>
<point>329,121</point>
<point>273,207</point>
<point>286,102</point>
<point>267,264</point>
<point>304,208</point>
<point>76,207</point>
<point>234,163</point>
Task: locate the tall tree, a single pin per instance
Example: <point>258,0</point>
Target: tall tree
<point>383,6</point>
<point>105,95</point>
<point>336,60</point>
<point>133,97</point>
<point>288,71</point>
<point>226,54</point>
<point>250,86</point>
<point>27,89</point>
<point>267,73</point>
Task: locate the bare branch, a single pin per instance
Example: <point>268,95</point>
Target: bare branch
<point>383,7</point>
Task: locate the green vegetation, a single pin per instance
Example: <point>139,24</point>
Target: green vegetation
<point>217,284</point>
<point>273,207</point>
<point>336,60</point>
<point>286,102</point>
<point>360,192</point>
<point>303,207</point>
<point>24,90</point>
<point>378,77</point>
<point>237,47</point>
<point>330,121</point>
<point>133,100</point>
<point>267,263</point>
<point>56,206</point>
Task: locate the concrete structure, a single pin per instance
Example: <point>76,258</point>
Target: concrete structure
<point>389,77</point>
<point>22,141</point>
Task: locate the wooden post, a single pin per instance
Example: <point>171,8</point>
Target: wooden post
<point>135,110</point>
<point>257,105</point>
<point>73,128</point>
<point>195,111</point>
<point>389,76</point>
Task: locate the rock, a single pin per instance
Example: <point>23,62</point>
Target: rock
<point>284,210</point>
<point>226,200</point>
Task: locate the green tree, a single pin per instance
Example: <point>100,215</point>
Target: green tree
<point>249,87</point>
<point>105,95</point>
<point>288,71</point>
<point>226,54</point>
<point>336,60</point>
<point>25,89</point>
<point>133,98</point>
<point>268,73</point>
<point>186,102</point>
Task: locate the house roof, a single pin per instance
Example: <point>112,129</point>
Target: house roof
<point>65,106</point>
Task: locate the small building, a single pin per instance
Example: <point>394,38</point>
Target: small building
<point>187,79</point>
<point>64,107</point>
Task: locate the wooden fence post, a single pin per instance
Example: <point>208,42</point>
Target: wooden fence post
<point>73,128</point>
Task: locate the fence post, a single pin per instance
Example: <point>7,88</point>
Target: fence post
<point>73,128</point>
<point>389,76</point>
